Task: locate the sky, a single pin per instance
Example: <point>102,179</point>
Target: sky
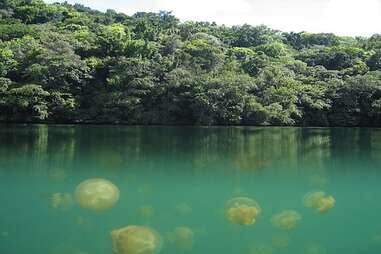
<point>342,17</point>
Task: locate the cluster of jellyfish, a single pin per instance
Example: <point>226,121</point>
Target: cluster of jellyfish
<point>246,211</point>
<point>99,194</point>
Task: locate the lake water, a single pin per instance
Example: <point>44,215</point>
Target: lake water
<point>172,177</point>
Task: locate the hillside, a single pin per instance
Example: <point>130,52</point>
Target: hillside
<point>62,63</point>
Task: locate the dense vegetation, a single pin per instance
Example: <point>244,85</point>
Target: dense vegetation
<point>69,63</point>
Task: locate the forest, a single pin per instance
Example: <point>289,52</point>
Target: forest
<point>62,63</point>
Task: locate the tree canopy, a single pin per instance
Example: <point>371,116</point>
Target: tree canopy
<point>65,63</point>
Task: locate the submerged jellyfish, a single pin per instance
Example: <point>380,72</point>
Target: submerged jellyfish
<point>314,248</point>
<point>312,199</point>
<point>326,204</point>
<point>182,238</point>
<point>319,201</point>
<point>261,249</point>
<point>146,211</point>
<point>286,220</point>
<point>84,223</point>
<point>317,180</point>
<point>61,201</point>
<point>145,190</point>
<point>57,174</point>
<point>242,211</point>
<point>66,249</point>
<point>280,241</point>
<point>183,209</point>
<point>135,240</point>
<point>376,239</point>
<point>96,194</point>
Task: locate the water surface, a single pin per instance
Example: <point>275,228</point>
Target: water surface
<point>183,176</point>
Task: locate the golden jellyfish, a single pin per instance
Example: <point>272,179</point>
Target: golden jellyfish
<point>286,220</point>
<point>312,199</point>
<point>84,223</point>
<point>145,190</point>
<point>182,238</point>
<point>319,201</point>
<point>135,240</point>
<point>376,239</point>
<point>261,249</point>
<point>183,209</point>
<point>110,160</point>
<point>314,248</point>
<point>96,194</point>
<point>62,201</point>
<point>326,204</point>
<point>57,174</point>
<point>145,211</point>
<point>242,211</point>
<point>66,249</point>
<point>318,180</point>
<point>280,241</point>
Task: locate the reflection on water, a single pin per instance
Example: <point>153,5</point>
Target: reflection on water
<point>163,178</point>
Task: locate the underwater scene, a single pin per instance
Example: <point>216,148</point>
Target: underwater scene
<point>84,189</point>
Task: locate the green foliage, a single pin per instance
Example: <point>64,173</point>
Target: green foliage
<point>69,63</point>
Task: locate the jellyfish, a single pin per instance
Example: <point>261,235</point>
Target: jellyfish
<point>326,203</point>
<point>377,239</point>
<point>286,220</point>
<point>314,248</point>
<point>67,249</point>
<point>183,209</point>
<point>280,241</point>
<point>135,240</point>
<point>62,201</point>
<point>242,211</point>
<point>145,190</point>
<point>182,238</point>
<point>319,201</point>
<point>261,249</point>
<point>110,160</point>
<point>57,174</point>
<point>317,180</point>
<point>84,223</point>
<point>312,199</point>
<point>146,211</point>
<point>96,194</point>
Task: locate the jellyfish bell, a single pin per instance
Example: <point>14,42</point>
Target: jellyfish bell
<point>61,201</point>
<point>242,211</point>
<point>145,211</point>
<point>312,199</point>
<point>145,190</point>
<point>261,248</point>
<point>135,240</point>
<point>96,194</point>
<point>57,174</point>
<point>182,238</point>
<point>326,204</point>
<point>286,220</point>
<point>376,239</point>
<point>318,180</point>
<point>183,209</point>
<point>319,201</point>
<point>280,241</point>
<point>314,248</point>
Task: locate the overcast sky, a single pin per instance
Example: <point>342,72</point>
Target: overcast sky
<point>343,17</point>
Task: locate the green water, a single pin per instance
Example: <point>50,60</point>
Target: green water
<point>185,175</point>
